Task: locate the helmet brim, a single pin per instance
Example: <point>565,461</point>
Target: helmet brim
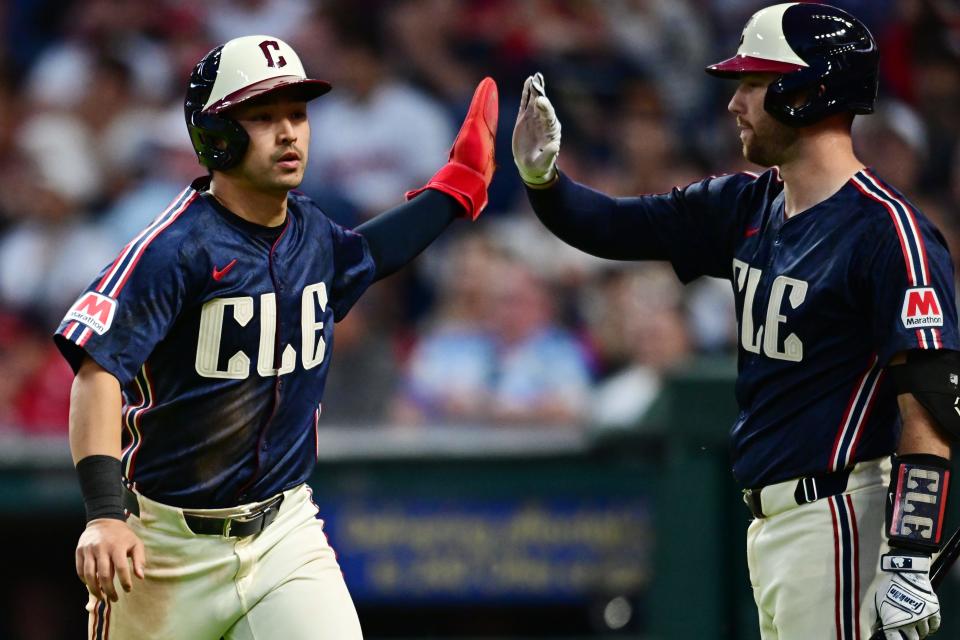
<point>303,88</point>
<point>739,65</point>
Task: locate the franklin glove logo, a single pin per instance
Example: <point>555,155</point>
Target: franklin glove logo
<point>905,600</point>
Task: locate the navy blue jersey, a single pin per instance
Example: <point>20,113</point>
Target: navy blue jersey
<point>824,300</point>
<point>221,338</point>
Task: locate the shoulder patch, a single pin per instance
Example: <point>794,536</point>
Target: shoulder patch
<point>921,308</point>
<point>94,310</point>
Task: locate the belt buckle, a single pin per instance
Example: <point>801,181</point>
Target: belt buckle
<point>810,493</point>
<point>262,514</point>
<point>249,517</point>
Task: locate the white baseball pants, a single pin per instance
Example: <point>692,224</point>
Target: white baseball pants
<point>281,583</point>
<point>813,567</point>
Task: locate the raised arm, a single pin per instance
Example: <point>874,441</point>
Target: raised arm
<point>397,236</point>
<point>458,189</point>
<point>694,228</point>
<point>606,227</point>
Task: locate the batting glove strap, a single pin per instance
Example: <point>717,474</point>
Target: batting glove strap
<point>917,501</point>
<point>905,601</point>
<point>463,184</point>
<point>470,169</point>
<point>906,563</point>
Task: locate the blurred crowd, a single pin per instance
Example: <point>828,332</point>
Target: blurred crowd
<point>498,323</point>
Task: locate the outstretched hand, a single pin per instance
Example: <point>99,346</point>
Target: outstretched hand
<point>470,169</point>
<point>536,135</point>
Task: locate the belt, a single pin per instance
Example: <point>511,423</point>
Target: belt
<point>239,526</point>
<point>807,489</point>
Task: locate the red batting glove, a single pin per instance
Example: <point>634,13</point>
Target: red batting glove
<point>470,169</point>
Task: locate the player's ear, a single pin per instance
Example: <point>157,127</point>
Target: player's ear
<point>216,142</point>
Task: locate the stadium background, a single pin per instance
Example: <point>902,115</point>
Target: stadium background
<point>518,440</point>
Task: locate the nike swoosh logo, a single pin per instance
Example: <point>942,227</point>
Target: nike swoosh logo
<point>748,234</point>
<point>219,273</point>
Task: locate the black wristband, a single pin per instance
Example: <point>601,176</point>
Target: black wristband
<point>100,484</point>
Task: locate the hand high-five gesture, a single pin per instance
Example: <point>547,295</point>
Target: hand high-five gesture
<point>536,136</point>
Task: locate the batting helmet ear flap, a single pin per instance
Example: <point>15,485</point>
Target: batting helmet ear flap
<point>220,142</point>
<point>829,89</point>
<point>782,96</point>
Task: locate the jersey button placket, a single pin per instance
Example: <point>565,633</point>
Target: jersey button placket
<point>772,272</point>
<point>763,288</point>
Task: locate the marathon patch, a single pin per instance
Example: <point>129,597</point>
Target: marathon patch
<point>93,310</point>
<point>921,308</point>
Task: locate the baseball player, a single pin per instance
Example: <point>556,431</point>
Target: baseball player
<point>845,302</point>
<point>207,343</point>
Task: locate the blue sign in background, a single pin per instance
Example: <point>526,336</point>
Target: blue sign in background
<point>540,549</point>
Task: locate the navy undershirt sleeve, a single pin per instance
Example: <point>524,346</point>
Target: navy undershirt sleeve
<point>596,223</point>
<point>694,227</point>
<point>397,236</point>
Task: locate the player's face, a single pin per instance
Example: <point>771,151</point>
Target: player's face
<point>279,138</point>
<point>766,141</point>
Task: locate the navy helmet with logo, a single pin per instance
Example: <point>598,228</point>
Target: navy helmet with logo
<point>826,58</point>
<point>230,74</point>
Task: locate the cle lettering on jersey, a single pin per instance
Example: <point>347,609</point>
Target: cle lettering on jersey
<point>212,318</point>
<point>766,338</point>
<point>200,358</point>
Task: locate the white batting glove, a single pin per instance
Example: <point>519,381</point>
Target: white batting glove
<point>536,136</point>
<point>907,606</point>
